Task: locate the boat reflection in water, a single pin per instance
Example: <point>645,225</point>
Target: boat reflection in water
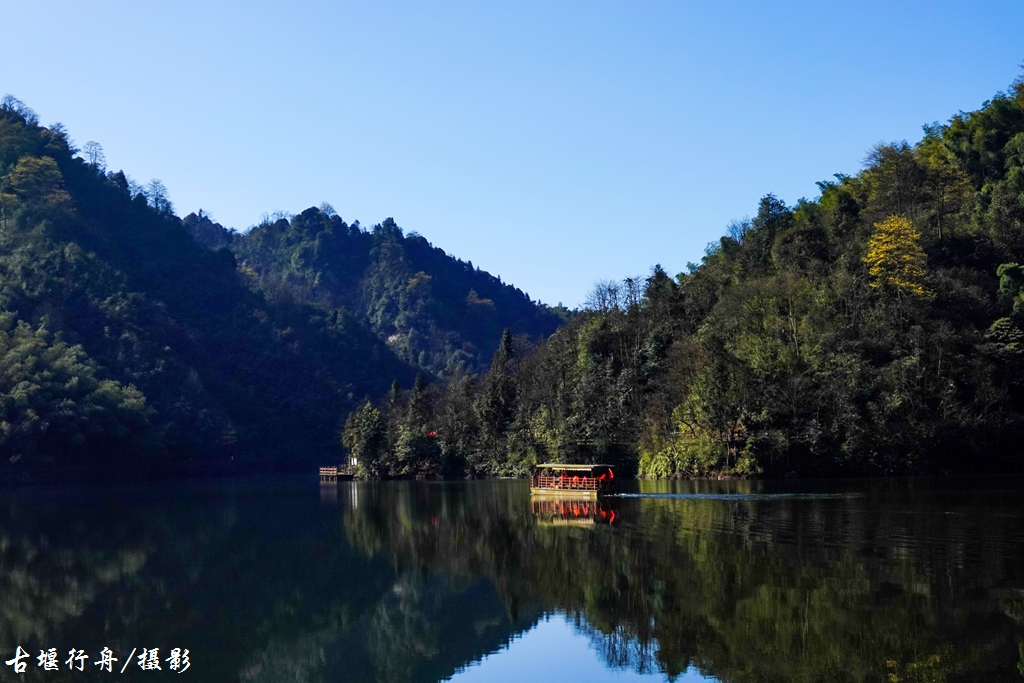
<point>561,511</point>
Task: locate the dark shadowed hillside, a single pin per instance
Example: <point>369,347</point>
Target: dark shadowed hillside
<point>434,310</point>
<point>123,341</point>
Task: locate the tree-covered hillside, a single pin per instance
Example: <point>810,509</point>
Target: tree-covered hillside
<point>876,329</point>
<point>434,310</point>
<point>124,343</point>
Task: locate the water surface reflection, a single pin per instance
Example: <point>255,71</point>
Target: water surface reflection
<point>406,581</point>
<point>556,650</point>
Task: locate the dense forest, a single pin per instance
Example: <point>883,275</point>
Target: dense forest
<point>135,341</point>
<point>132,339</point>
<point>126,347</point>
<point>435,311</point>
<point>876,329</point>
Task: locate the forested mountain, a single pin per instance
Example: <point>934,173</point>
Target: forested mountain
<point>126,344</point>
<point>876,329</point>
<point>434,310</point>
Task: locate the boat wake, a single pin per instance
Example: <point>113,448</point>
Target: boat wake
<point>739,496</point>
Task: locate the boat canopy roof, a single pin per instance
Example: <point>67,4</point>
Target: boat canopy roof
<point>560,466</point>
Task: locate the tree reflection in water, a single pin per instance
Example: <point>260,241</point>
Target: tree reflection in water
<point>410,581</point>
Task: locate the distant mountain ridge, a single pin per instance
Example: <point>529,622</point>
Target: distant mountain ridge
<point>434,311</point>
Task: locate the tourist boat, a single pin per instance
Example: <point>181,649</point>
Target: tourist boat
<point>575,481</point>
<point>332,475</point>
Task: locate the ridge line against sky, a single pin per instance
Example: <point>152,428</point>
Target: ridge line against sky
<point>550,145</point>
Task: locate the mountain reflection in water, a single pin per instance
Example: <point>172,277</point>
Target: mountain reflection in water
<point>409,581</point>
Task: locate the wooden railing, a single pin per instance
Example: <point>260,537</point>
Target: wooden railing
<point>573,483</point>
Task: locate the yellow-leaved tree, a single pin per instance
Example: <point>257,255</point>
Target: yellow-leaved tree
<point>896,260</point>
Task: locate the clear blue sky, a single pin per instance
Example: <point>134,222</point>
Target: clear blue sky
<point>551,143</point>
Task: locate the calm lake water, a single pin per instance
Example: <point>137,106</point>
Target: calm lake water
<point>891,581</point>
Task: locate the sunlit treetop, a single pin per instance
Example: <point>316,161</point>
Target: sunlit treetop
<point>896,260</point>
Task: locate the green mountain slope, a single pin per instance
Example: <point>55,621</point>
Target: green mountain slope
<point>121,331</point>
<point>434,310</point>
<point>877,329</point>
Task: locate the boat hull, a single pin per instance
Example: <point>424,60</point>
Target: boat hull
<point>566,493</point>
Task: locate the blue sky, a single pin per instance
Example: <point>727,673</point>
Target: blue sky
<point>552,144</point>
